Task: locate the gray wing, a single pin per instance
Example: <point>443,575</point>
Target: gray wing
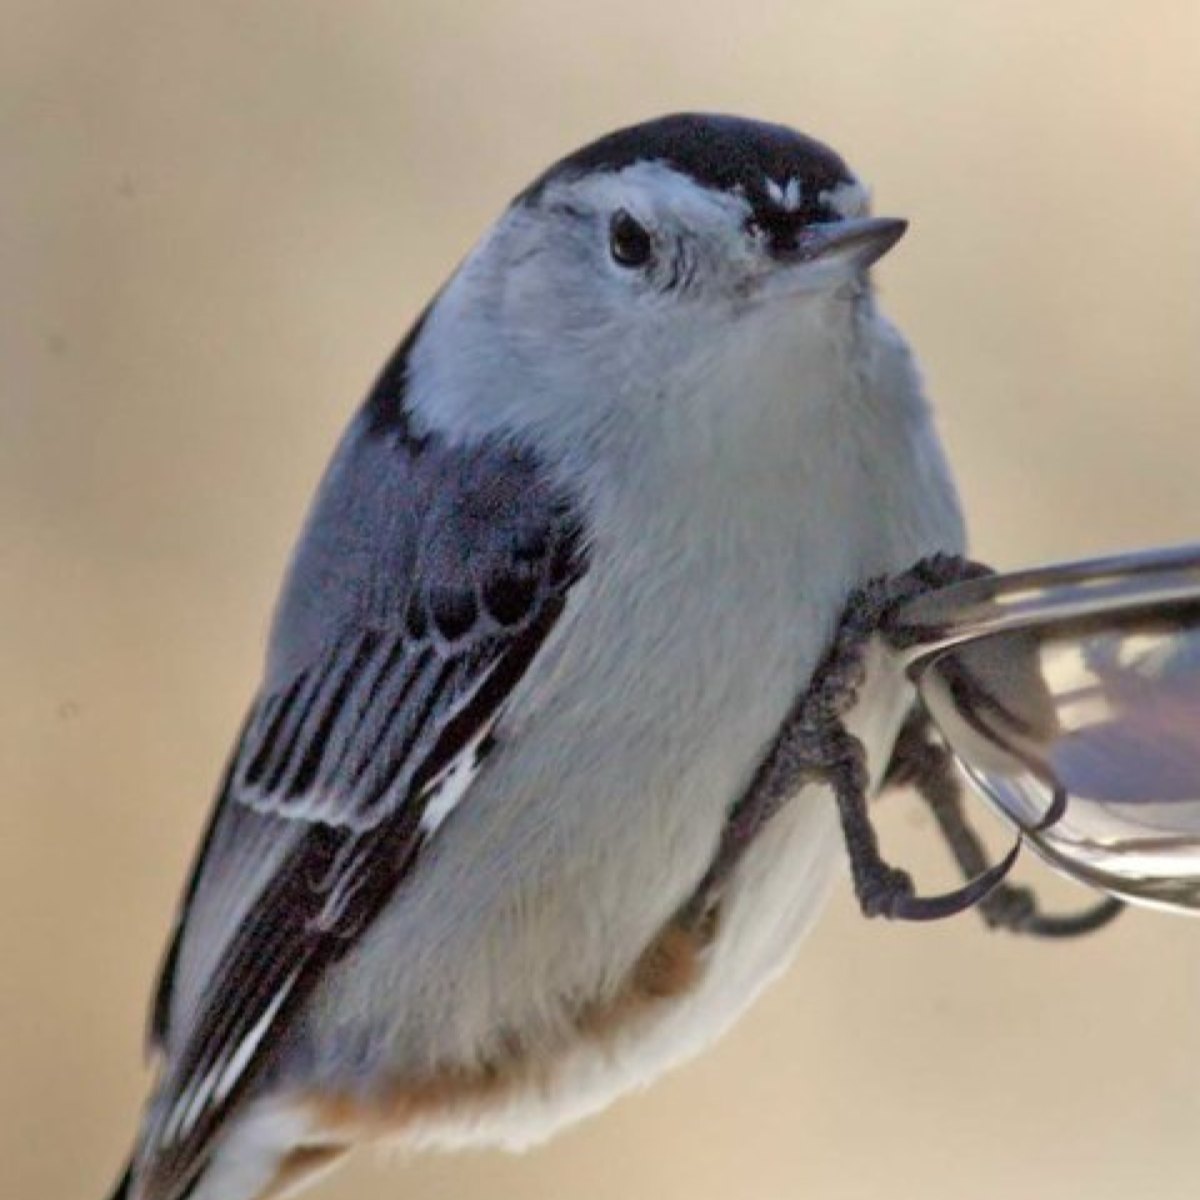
<point>426,581</point>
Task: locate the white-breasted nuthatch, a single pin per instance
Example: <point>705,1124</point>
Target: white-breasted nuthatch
<point>571,565</point>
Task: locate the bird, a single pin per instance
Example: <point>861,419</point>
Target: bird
<point>572,562</point>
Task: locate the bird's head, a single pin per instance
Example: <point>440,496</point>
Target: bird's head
<point>654,264</point>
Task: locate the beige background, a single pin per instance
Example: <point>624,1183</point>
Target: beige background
<point>215,220</point>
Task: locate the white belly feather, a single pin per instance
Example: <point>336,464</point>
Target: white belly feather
<point>774,897</point>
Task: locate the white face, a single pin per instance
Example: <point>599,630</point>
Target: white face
<point>646,250</point>
<point>637,287</point>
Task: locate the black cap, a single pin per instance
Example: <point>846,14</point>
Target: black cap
<point>730,154</point>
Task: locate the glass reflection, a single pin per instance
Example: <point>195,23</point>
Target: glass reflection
<point>1086,735</point>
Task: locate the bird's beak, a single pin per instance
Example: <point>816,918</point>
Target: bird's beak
<point>853,244</point>
<point>822,257</point>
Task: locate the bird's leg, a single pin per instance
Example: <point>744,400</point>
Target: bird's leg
<point>814,746</point>
<point>817,736</point>
<point>882,890</point>
<point>927,766</point>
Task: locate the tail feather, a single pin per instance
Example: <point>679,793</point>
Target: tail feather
<point>263,1157</point>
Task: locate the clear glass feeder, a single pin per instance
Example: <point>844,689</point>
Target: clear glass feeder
<point>1070,696</point>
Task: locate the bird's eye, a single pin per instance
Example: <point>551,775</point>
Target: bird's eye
<point>628,241</point>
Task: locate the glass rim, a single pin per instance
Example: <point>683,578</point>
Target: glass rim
<point>1114,585</point>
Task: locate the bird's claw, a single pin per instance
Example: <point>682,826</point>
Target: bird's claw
<point>1015,909</point>
<point>889,892</point>
<point>886,893</point>
<point>1009,907</point>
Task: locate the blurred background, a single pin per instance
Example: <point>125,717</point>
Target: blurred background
<point>215,222</point>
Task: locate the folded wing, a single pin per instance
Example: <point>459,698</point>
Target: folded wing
<point>426,582</point>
